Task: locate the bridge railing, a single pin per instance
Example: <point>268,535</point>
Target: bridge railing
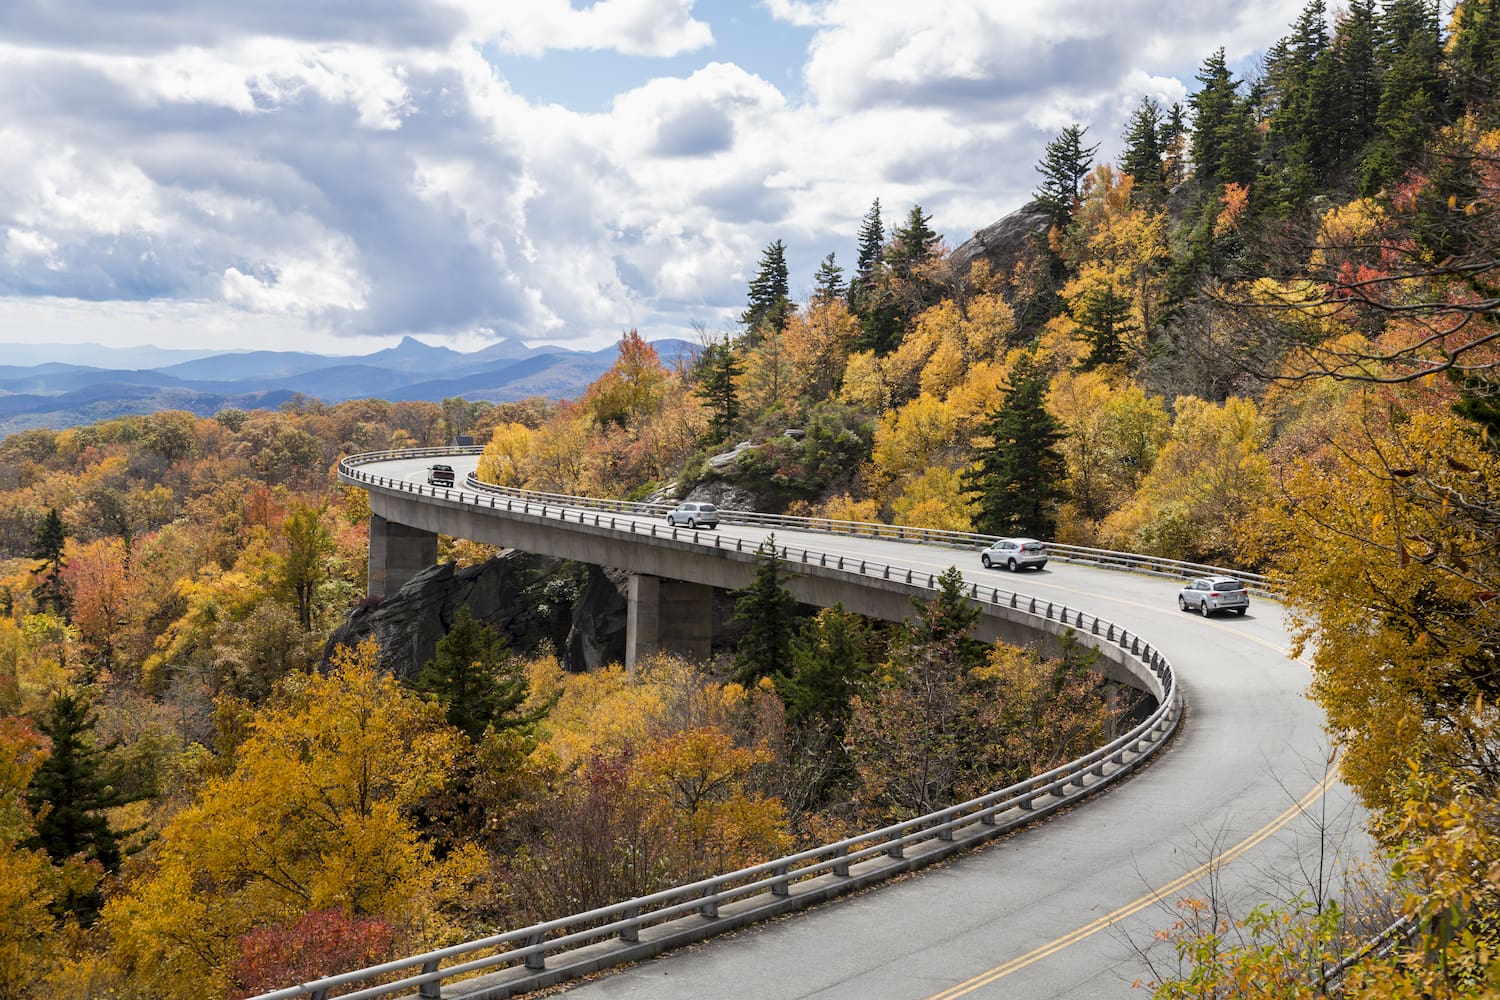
<point>1131,562</point>
<point>785,883</point>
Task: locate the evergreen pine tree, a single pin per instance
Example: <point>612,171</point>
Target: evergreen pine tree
<point>717,371</point>
<point>912,244</point>
<point>1018,472</point>
<point>1174,136</point>
<point>47,545</point>
<point>870,293</point>
<point>75,786</point>
<point>944,622</point>
<point>1223,129</point>
<point>766,609</point>
<point>1356,81</point>
<point>831,661</point>
<point>870,246</point>
<point>1065,163</point>
<point>1143,155</point>
<point>770,300</point>
<point>1412,94</point>
<point>1103,316</point>
<point>476,680</point>
<point>1474,58</point>
<point>828,282</point>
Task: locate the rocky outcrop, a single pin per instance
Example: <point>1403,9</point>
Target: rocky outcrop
<point>1003,243</point>
<point>725,461</point>
<point>597,636</point>
<point>408,625</point>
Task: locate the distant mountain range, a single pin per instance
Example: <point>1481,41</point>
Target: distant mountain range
<point>63,385</point>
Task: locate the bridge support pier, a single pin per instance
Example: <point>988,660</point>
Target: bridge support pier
<point>670,615</point>
<point>398,552</point>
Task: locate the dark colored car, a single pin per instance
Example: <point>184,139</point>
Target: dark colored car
<point>1209,594</point>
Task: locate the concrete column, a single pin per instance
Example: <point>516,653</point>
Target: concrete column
<point>669,615</point>
<point>398,552</point>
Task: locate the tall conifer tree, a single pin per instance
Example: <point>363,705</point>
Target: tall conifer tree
<point>766,609</point>
<point>47,545</point>
<point>1065,163</point>
<point>1143,155</point>
<point>1018,471</point>
<point>718,369</point>
<point>770,298</point>
<point>828,282</point>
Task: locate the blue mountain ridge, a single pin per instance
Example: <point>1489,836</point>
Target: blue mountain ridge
<point>57,393</point>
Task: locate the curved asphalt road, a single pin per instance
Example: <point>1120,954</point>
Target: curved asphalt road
<point>1065,908</point>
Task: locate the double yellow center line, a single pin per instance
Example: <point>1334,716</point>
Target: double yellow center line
<point>1151,898</point>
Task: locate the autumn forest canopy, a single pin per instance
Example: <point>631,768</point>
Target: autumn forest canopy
<point>1264,338</point>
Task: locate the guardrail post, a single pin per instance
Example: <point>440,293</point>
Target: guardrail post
<point>945,832</point>
<point>536,961</point>
<point>897,849</point>
<point>841,867</point>
<point>782,886</point>
<point>432,989</point>
<point>710,905</point>
<point>987,817</point>
<point>631,933</point>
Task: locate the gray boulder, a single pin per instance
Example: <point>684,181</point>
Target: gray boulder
<point>408,625</point>
<point>1004,242</point>
<point>597,636</point>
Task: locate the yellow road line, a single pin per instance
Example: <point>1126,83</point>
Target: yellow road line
<point>1130,909</point>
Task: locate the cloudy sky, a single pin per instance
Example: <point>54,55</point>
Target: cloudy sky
<point>334,174</point>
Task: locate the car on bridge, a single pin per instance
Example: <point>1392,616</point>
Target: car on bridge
<point>439,474</point>
<point>695,515</point>
<point>1015,554</point>
<point>1210,594</point>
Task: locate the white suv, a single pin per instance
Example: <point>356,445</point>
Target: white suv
<point>1208,594</point>
<point>694,515</point>
<point>1015,554</point>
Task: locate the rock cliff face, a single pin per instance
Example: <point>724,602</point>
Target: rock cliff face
<point>504,592</point>
<point>597,636</point>
<point>1003,243</point>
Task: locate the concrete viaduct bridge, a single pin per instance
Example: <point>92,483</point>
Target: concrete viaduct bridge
<point>1236,805</point>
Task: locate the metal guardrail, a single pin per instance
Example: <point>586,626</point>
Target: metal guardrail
<point>787,882</point>
<point>1130,562</point>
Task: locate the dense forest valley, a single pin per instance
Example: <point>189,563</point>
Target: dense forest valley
<point>1265,338</point>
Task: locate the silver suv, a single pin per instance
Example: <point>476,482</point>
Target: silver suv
<point>1208,594</point>
<point>694,515</point>
<point>1015,554</point>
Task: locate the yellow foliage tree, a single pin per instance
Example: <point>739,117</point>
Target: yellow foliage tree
<point>1118,249</point>
<point>934,499</point>
<point>1207,479</point>
<point>700,777</point>
<point>1385,549</point>
<point>816,345</point>
<point>315,814</point>
<point>29,933</point>
<point>504,455</point>
<point>1114,433</point>
<point>913,439</point>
